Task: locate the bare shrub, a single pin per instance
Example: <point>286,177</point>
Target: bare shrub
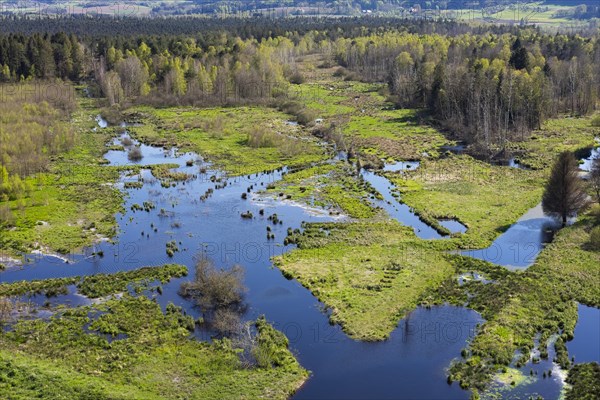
<point>6,310</point>
<point>292,148</point>
<point>297,78</point>
<point>213,127</point>
<point>595,238</point>
<point>226,321</point>
<point>215,288</point>
<point>12,308</point>
<point>135,154</point>
<point>7,217</point>
<point>112,115</point>
<point>340,72</point>
<point>126,141</point>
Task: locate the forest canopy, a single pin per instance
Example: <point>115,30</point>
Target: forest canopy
<point>486,85</point>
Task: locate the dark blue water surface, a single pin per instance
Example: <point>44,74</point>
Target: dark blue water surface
<point>410,365</point>
<point>520,245</point>
<point>396,209</point>
<point>585,346</point>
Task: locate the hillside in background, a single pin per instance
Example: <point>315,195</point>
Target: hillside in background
<point>577,9</point>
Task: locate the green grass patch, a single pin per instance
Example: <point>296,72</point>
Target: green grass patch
<point>94,286</point>
<point>395,134</point>
<point>557,135</point>
<point>486,199</point>
<point>99,285</point>
<point>369,274</point>
<point>240,140</point>
<point>151,356</point>
<point>333,186</point>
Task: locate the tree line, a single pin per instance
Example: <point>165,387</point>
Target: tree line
<point>205,29</point>
<point>488,85</point>
<point>41,56</point>
<point>184,73</point>
<point>487,89</point>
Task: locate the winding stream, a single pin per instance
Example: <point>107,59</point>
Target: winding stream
<point>519,246</point>
<point>411,364</point>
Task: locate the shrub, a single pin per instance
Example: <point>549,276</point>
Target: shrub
<point>226,321</point>
<point>340,72</point>
<point>7,217</point>
<point>135,154</point>
<point>112,115</point>
<point>213,288</point>
<point>297,78</point>
<point>259,138</point>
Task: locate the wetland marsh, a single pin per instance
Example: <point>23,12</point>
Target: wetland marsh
<point>373,253</point>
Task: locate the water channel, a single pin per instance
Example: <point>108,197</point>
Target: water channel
<point>410,364</point>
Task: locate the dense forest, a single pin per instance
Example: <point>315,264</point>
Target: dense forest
<point>485,85</point>
<point>484,88</point>
<point>207,29</point>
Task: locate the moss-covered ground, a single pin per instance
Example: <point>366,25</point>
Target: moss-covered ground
<point>240,140</point>
<point>127,347</point>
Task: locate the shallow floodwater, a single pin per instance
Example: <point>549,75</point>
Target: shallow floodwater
<point>543,378</point>
<point>453,225</point>
<point>401,166</point>
<point>585,346</point>
<point>397,210</point>
<point>519,245</point>
<point>411,364</point>
<point>587,162</point>
<point>459,148</point>
<point>151,155</point>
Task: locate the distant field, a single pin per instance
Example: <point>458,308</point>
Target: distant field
<point>529,13</point>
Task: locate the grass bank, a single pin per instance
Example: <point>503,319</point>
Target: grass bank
<point>127,347</point>
<point>240,140</point>
<point>71,202</point>
<point>369,274</point>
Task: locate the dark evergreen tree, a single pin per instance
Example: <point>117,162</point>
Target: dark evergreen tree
<point>564,195</point>
<point>520,58</point>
